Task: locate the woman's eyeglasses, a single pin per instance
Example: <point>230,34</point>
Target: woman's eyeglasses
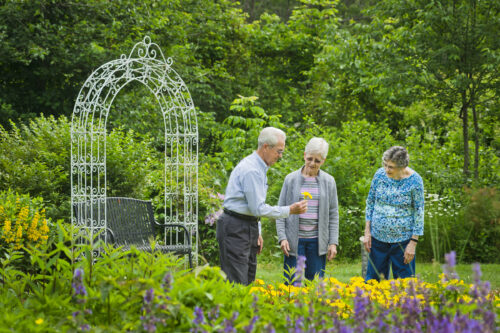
<point>310,159</point>
<point>390,167</point>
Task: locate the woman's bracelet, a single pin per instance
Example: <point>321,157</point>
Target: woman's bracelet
<point>414,239</point>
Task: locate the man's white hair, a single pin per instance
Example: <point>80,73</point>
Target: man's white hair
<point>271,136</point>
<point>317,146</point>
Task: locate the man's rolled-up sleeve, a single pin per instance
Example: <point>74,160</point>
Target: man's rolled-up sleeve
<point>255,190</point>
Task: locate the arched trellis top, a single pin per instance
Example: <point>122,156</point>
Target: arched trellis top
<point>145,64</point>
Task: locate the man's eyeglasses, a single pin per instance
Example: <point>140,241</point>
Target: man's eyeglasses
<point>279,151</point>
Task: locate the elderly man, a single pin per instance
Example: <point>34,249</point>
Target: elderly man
<point>238,228</point>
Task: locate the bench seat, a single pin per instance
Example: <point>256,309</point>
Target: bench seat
<point>130,222</point>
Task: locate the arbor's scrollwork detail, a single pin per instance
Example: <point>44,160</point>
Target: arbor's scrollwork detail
<point>145,64</point>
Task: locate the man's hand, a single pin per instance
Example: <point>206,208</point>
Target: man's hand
<point>368,240</point>
<point>260,244</point>
<point>285,247</point>
<point>298,207</point>
<point>410,252</point>
<point>332,251</point>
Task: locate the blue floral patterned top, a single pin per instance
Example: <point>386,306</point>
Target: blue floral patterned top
<point>395,208</point>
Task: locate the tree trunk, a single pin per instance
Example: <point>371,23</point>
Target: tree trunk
<point>464,114</point>
<point>476,142</point>
<point>251,10</point>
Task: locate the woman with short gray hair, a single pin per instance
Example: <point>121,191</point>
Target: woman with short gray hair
<point>317,146</point>
<point>313,234</point>
<point>394,217</point>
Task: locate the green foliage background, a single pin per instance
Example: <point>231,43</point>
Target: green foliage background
<point>363,75</point>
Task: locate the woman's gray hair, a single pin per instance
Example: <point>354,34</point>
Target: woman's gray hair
<point>271,136</point>
<point>398,155</point>
<point>317,146</point>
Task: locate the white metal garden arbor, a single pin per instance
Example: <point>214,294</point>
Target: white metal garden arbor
<point>147,65</point>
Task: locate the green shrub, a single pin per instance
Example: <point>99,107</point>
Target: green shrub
<point>481,240</point>
<point>35,160</point>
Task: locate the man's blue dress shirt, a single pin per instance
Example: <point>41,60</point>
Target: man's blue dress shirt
<point>247,189</point>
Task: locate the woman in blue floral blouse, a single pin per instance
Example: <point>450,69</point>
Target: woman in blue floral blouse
<point>394,217</point>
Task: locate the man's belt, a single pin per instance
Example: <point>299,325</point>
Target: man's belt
<point>241,216</point>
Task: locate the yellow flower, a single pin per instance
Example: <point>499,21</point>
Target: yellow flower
<point>39,321</point>
<point>257,289</point>
<point>307,195</point>
<point>6,228</point>
<point>259,282</point>
<point>19,233</point>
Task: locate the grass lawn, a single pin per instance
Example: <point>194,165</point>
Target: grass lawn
<point>271,272</point>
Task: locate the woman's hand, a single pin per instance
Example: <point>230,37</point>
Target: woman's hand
<point>332,251</point>
<point>410,252</point>
<point>368,240</point>
<point>285,247</point>
<point>260,244</point>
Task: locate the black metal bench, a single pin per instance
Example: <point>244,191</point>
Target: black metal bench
<point>131,222</point>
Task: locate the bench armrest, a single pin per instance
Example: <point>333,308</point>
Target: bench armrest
<point>112,234</point>
<point>168,225</point>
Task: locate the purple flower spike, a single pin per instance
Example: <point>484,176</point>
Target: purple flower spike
<point>199,318</point>
<point>78,287</point>
<point>149,296</point>
<point>78,275</point>
<point>449,267</point>
<point>269,328</point>
<point>300,269</point>
<point>85,327</point>
<point>451,259</point>
<point>345,329</point>
<point>168,281</point>
<point>476,268</point>
<point>249,328</point>
<point>229,323</point>
<point>214,313</point>
<point>299,323</point>
<point>362,309</point>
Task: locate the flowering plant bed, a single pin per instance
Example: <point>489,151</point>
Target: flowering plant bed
<point>328,305</point>
<point>66,289</point>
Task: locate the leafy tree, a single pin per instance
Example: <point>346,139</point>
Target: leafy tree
<point>255,9</point>
<point>47,48</point>
<point>454,47</point>
<point>354,10</point>
<point>283,53</point>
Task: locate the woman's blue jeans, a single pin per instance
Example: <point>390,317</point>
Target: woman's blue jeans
<point>384,254</point>
<point>315,264</point>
